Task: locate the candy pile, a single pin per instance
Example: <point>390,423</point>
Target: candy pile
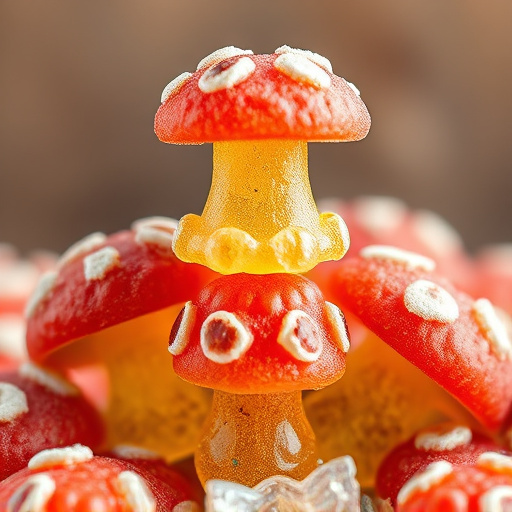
<point>99,416</point>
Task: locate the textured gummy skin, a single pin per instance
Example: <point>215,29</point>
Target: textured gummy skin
<point>405,460</point>
<point>267,105</point>
<point>92,485</point>
<point>455,355</point>
<point>52,420</point>
<point>145,281</point>
<point>261,302</point>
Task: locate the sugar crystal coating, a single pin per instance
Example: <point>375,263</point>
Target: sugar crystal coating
<point>226,74</point>
<point>61,456</point>
<point>174,86</point>
<point>99,263</point>
<point>13,402</point>
<point>301,69</point>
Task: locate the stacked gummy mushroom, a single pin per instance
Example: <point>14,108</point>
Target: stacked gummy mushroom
<point>261,334</point>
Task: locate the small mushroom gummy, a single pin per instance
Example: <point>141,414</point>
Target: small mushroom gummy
<point>259,111</point>
<point>258,341</point>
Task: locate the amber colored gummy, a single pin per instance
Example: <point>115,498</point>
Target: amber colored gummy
<point>145,403</point>
<point>248,438</point>
<point>381,401</point>
<point>260,216</point>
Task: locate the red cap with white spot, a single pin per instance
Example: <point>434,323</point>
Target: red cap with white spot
<point>460,343</point>
<point>235,95</point>
<point>260,334</point>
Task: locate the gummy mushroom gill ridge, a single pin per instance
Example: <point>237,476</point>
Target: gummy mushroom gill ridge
<point>259,111</point>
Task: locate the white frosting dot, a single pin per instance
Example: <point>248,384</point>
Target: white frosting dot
<point>315,57</point>
<point>430,301</point>
<point>163,223</point>
<point>336,317</point>
<point>214,79</point>
<point>183,335</point>
<point>13,402</point>
<point>410,260</point>
<point>494,329</point>
<point>12,336</point>
<point>187,506</point>
<point>42,291</point>
<point>424,480</point>
<point>78,249</point>
<point>289,336</point>
<point>222,54</point>
<point>148,235</point>
<point>174,86</point>
<point>495,461</point>
<point>440,442</point>
<point>48,379</point>
<point>136,492</point>
<point>379,214</point>
<point>492,500</point>
<point>99,263</point>
<point>33,494</point>
<point>61,456</point>
<point>354,88</point>
<point>126,451</point>
<point>300,68</point>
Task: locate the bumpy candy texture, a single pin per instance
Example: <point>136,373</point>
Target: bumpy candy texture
<point>105,312</point>
<point>259,110</point>
<point>330,488</point>
<point>71,478</point>
<point>39,410</point>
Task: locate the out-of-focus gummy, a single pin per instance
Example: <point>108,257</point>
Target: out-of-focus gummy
<point>260,216</point>
<point>246,438</point>
<point>330,488</point>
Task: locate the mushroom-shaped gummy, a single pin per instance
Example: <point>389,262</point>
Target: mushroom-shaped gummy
<point>259,111</point>
<point>258,341</point>
<point>72,479</point>
<point>107,309</point>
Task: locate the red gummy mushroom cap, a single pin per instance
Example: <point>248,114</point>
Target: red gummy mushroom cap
<point>260,334</point>
<point>235,95</point>
<point>102,281</point>
<point>460,343</point>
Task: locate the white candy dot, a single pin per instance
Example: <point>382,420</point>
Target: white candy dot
<point>222,54</point>
<point>354,88</point>
<point>431,302</point>
<point>99,263</point>
<point>410,260</point>
<point>33,494</point>
<point>174,86</point>
<point>136,492</point>
<point>492,500</point>
<point>494,329</point>
<point>12,336</point>
<point>187,506</point>
<point>301,69</point>
<point>214,79</point>
<point>379,214</point>
<point>164,223</point>
<point>48,379</point>
<point>147,235</point>
<point>440,442</point>
<point>289,336</point>
<point>183,335</point>
<point>61,456</point>
<point>495,461</point>
<point>13,402</point>
<point>423,481</point>
<point>42,291</point>
<point>315,57</point>
<point>125,451</point>
<point>336,317</point>
<point>78,249</point>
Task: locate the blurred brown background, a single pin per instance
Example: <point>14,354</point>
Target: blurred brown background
<point>80,83</point>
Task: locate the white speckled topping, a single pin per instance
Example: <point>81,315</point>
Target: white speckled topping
<point>12,336</point>
<point>126,451</point>
<point>42,291</point>
<point>440,442</point>
<point>187,506</point>
<point>495,461</point>
<point>224,337</point>
<point>136,492</point>
<point>300,336</point>
<point>219,77</point>
<point>222,54</point>
<point>424,480</point>
<point>492,500</point>
<point>147,235</point>
<point>337,319</point>
<point>493,328</point>
<point>344,232</point>
<point>99,263</point>
<point>32,495</point>
<point>174,86</point>
<point>164,223</point>
<point>61,456</point>
<point>13,402</point>
<point>315,57</point>
<point>78,249</point>
<point>301,69</point>
<point>430,301</point>
<point>354,88</point>
<point>379,214</point>
<point>183,335</point>
<point>433,231</point>
<point>410,260</point>
<point>48,379</point>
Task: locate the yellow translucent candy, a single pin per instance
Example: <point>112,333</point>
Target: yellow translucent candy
<point>248,438</point>
<point>260,216</point>
<point>145,403</point>
<point>381,401</point>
